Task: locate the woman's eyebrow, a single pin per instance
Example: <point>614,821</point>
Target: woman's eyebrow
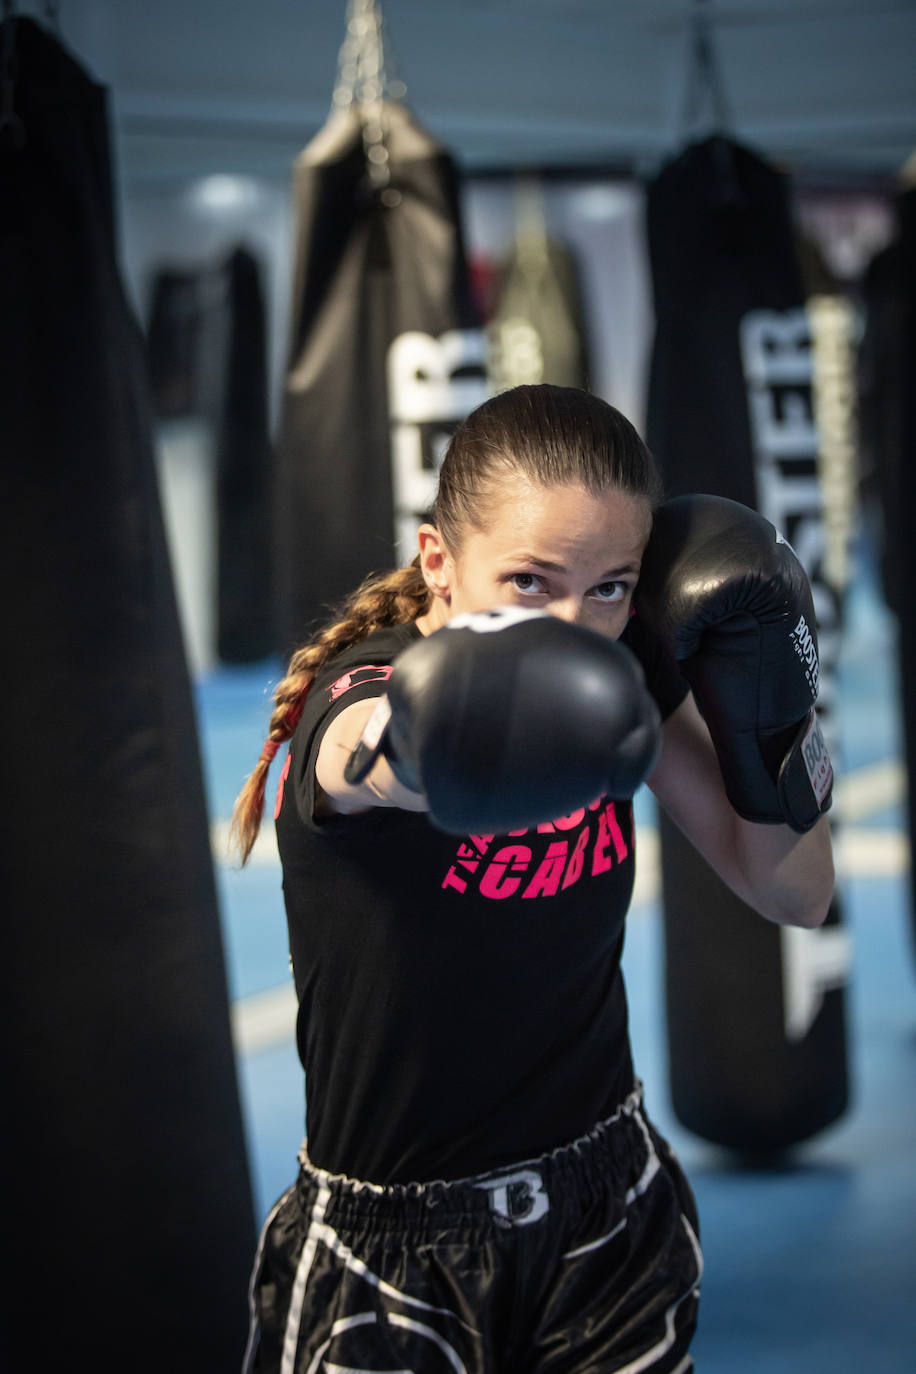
<point>550,566</point>
<point>539,562</point>
<point>619,572</point>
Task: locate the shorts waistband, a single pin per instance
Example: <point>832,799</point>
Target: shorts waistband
<point>616,1153</point>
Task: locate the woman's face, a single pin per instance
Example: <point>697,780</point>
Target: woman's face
<point>560,549</point>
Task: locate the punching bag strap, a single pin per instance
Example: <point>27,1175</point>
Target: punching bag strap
<point>705,84</point>
<point>704,77</point>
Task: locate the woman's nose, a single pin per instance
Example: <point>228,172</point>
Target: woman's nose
<point>569,609</point>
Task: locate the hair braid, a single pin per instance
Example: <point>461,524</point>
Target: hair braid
<point>391,598</point>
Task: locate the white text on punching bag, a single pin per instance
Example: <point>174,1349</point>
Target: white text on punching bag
<point>777,355</point>
<point>432,384</point>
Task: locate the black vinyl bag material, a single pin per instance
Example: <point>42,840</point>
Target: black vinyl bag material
<point>244,468</point>
<point>538,332</point>
<point>385,357</point>
<point>207,358</point>
<point>887,394</point>
<point>126,1188</point>
<point>756,1020</point>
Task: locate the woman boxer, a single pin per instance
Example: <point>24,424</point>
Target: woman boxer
<point>481,1188</point>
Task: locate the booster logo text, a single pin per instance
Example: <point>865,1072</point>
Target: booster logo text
<point>806,648</point>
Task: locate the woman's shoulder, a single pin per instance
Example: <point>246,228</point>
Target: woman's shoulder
<point>377,651</point>
<point>360,669</point>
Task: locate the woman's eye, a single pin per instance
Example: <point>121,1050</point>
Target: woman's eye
<point>611,591</point>
<point>526,582</point>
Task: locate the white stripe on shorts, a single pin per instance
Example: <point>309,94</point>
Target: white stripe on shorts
<point>596,1244</point>
<point>254,1325</point>
<point>396,1319</point>
<point>658,1351</point>
<point>639,1187</point>
<point>297,1299</point>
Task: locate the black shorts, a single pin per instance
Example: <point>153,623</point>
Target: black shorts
<point>584,1259</point>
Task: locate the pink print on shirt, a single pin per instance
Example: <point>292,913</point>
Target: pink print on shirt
<point>533,870</point>
<point>372,672</point>
<point>280,786</point>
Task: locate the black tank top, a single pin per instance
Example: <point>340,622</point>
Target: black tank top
<point>461,1003</point>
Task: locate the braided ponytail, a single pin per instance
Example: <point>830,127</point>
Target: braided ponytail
<point>392,598</point>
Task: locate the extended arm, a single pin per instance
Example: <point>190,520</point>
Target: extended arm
<point>380,786</point>
<point>499,720</point>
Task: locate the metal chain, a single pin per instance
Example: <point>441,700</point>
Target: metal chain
<point>363,80</point>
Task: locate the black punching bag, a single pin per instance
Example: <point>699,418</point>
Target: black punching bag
<point>244,471</point>
<point>537,332</point>
<point>386,355</point>
<point>126,1192</point>
<point>888,409</point>
<point>206,341</point>
<point>755,1012</point>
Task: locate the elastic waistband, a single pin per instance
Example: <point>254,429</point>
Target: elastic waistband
<point>617,1153</point>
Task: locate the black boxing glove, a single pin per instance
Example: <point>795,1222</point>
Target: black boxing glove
<point>733,602</point>
<point>508,718</point>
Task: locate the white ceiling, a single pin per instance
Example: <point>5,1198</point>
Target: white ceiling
<point>203,86</point>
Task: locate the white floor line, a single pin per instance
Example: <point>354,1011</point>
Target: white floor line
<point>269,1018</point>
<point>862,853</point>
<point>858,794</point>
<point>859,853</point>
<point>864,791</point>
<point>264,851</point>
<point>265,1019</point>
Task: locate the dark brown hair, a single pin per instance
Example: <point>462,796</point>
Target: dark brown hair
<point>555,435</point>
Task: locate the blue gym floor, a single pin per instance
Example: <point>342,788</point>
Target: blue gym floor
<point>810,1266</point>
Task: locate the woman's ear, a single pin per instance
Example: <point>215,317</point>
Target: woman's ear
<point>435,562</point>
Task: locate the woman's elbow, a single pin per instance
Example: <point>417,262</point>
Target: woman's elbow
<point>807,903</point>
<point>813,916</point>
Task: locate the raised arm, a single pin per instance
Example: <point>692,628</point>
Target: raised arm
<point>786,877</point>
<point>743,769</point>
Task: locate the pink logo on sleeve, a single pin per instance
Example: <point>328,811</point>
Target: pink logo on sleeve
<point>372,672</point>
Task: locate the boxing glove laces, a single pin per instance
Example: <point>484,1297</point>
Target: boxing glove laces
<point>509,718</point>
<point>734,604</point>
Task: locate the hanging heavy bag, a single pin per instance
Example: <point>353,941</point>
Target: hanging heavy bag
<point>755,1012</point>
<point>244,465</point>
<point>207,359</point>
<point>125,1173</point>
<point>888,427</point>
<point>385,355</point>
<point>537,332</point>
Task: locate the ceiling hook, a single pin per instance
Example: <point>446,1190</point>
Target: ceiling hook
<point>704,74</point>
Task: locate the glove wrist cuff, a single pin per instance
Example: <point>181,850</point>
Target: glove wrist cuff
<point>805,782</point>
